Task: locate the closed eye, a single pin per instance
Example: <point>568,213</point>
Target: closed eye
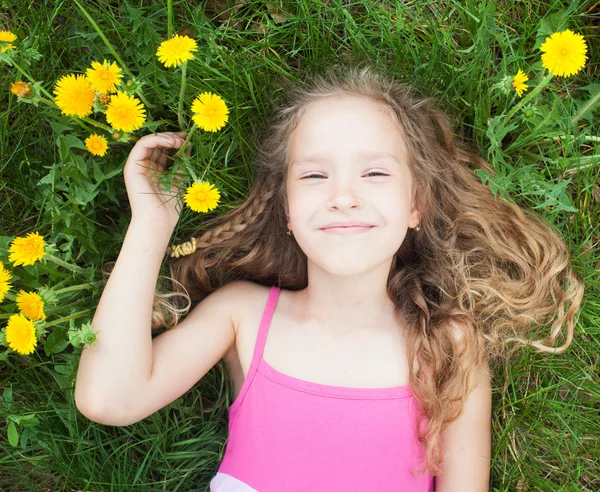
<point>377,173</point>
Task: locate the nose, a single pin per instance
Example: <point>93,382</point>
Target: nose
<point>343,196</point>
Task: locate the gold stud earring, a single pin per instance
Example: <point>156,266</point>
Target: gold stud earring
<point>289,233</point>
<point>417,228</point>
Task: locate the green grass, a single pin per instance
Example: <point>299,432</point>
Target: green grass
<point>546,408</point>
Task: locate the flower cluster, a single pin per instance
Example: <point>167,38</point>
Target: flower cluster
<point>564,54</point>
<point>20,332</point>
<point>6,40</point>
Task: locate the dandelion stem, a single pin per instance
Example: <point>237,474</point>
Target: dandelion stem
<point>188,138</point>
<point>181,96</point>
<point>529,97</point>
<point>67,318</point>
<point>64,264</point>
<point>79,287</point>
<point>585,108</point>
<point>31,79</point>
<point>104,38</point>
<point>169,19</point>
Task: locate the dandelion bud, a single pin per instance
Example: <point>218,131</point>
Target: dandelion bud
<point>21,89</point>
<point>116,135</point>
<point>129,82</point>
<point>89,338</point>
<point>104,98</point>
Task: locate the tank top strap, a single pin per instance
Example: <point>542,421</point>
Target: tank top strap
<point>263,330</point>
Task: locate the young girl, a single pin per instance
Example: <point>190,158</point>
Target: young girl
<point>357,297</point>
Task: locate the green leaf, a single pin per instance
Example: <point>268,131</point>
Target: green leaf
<point>13,434</point>
<point>55,342</point>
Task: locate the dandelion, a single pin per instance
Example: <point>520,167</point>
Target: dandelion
<point>31,305</point>
<point>5,276</point>
<point>7,36</point>
<point>518,82</point>
<point>175,51</point>
<point>104,76</point>
<point>20,334</point>
<point>27,250</point>
<point>104,99</point>
<point>211,112</point>
<point>21,89</point>
<point>74,95</point>
<point>202,197</point>
<point>564,53</point>
<point>125,112</point>
<point>7,47</point>
<point>96,144</point>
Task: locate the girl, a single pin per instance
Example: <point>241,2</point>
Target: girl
<point>357,297</point>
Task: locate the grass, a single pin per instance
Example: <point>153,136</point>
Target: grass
<point>545,408</point>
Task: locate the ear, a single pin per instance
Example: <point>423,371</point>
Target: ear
<point>415,217</point>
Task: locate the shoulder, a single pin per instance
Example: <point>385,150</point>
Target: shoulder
<point>243,298</point>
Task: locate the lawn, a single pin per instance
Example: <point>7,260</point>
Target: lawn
<point>542,144</point>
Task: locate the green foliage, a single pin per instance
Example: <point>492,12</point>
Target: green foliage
<point>543,148</point>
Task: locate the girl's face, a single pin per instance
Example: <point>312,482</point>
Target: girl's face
<point>347,163</point>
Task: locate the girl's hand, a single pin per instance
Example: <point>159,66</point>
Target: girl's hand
<point>149,157</point>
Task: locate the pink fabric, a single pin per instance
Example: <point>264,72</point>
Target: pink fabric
<point>291,435</point>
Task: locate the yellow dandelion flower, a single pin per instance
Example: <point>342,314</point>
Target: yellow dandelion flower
<point>27,250</point>
<point>21,89</point>
<point>74,95</point>
<point>20,334</point>
<point>211,112</point>
<point>202,197</point>
<point>7,36</point>
<point>5,285</point>
<point>104,77</point>
<point>31,305</point>
<point>518,82</point>
<point>125,112</point>
<point>564,53</point>
<point>175,51</point>
<point>7,47</point>
<point>96,144</point>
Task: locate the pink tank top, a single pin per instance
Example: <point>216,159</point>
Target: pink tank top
<point>291,435</point>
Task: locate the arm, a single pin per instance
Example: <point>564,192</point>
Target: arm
<point>119,363</point>
<point>467,442</point>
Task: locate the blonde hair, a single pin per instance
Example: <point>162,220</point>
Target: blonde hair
<point>481,273</point>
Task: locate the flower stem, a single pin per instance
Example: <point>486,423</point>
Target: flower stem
<point>64,264</point>
<point>79,287</point>
<point>169,19</point>
<point>31,79</point>
<point>67,318</point>
<point>529,97</point>
<point>104,38</point>
<point>181,96</point>
<point>585,108</point>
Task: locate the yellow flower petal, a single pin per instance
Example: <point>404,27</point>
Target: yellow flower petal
<point>27,250</point>
<point>104,77</point>
<point>96,144</point>
<point>519,82</point>
<point>31,305</point>
<point>125,112</point>
<point>564,53</point>
<point>7,47</point>
<point>176,50</point>
<point>74,95</point>
<point>210,112</point>
<point>5,285</point>
<point>202,197</point>
<point>7,36</point>
<point>20,334</point>
<point>21,89</point>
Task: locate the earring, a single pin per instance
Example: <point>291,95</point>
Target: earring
<point>289,233</point>
<point>417,228</point>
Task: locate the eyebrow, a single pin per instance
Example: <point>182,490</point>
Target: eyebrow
<point>366,155</point>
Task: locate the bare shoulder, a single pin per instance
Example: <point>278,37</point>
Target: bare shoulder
<point>243,297</point>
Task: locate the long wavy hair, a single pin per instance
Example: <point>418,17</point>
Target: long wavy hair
<point>481,273</point>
